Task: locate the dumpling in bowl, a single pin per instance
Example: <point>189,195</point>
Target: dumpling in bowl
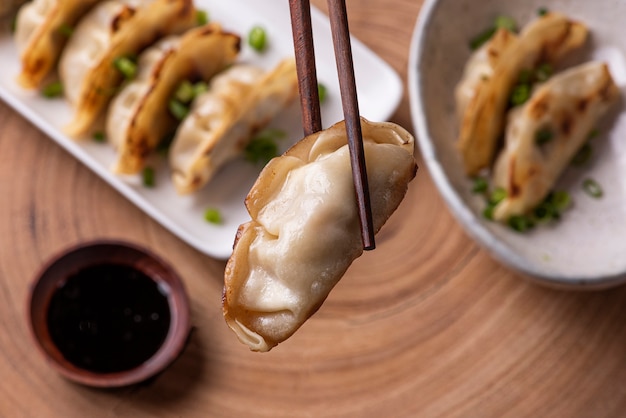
<point>480,68</point>
<point>42,28</point>
<point>544,135</point>
<point>139,117</point>
<point>113,30</point>
<point>238,104</point>
<point>544,40</point>
<point>304,232</point>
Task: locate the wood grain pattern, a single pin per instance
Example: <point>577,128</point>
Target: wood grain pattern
<point>427,325</point>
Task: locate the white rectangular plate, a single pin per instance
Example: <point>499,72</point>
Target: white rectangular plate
<point>379,90</point>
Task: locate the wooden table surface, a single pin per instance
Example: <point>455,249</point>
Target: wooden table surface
<point>428,325</point>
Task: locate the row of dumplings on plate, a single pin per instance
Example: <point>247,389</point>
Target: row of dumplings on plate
<point>122,61</point>
<point>304,229</point>
<point>507,90</point>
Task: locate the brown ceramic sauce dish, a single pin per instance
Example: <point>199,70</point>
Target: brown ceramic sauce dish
<point>108,314</point>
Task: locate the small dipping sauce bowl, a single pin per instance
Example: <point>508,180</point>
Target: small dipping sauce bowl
<point>108,314</point>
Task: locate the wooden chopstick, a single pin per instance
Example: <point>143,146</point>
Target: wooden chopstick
<point>309,96</point>
<point>305,65</point>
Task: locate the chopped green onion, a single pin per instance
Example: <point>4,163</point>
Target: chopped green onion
<point>202,17</point>
<point>271,134</point>
<point>525,77</point>
<point>480,185</point>
<point>542,11</point>
<point>594,132</point>
<point>213,216</point>
<point>501,22</point>
<point>543,136</point>
<point>506,22</point>
<point>148,177</point>
<point>552,206</point>
<point>126,66</point>
<point>592,188</point>
<point>497,196</point>
<point>99,136</point>
<point>560,200</point>
<point>66,30</point>
<point>322,92</point>
<point>53,90</point>
<point>488,212</point>
<point>583,155</point>
<point>109,91</point>
<point>521,93</point>
<point>480,39</point>
<point>178,109</point>
<point>544,212</point>
<point>257,38</point>
<point>544,72</point>
<point>262,148</point>
<point>163,146</point>
<point>520,223</point>
<point>185,92</point>
<point>199,88</point>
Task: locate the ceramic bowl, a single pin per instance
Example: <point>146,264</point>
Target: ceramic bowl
<point>587,247</point>
<point>54,273</point>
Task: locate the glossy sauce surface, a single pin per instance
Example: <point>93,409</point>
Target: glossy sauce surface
<point>108,318</point>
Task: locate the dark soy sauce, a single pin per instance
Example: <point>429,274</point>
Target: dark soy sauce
<point>108,318</point>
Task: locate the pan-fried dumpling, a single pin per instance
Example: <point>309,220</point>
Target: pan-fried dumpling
<point>480,67</point>
<point>239,103</point>
<point>544,40</point>
<point>545,133</point>
<point>111,30</point>
<point>41,31</point>
<point>138,117</point>
<point>304,232</point>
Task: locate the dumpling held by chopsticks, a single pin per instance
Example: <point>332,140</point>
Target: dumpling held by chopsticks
<point>304,232</point>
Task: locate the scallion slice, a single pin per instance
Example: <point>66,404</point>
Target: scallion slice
<point>99,136</point>
<point>521,93</point>
<point>199,88</point>
<point>177,109</point>
<point>497,196</point>
<point>202,17</point>
<point>322,92</point>
<point>213,216</point>
<point>185,92</point>
<point>543,136</point>
<point>560,200</point>
<point>263,147</point>
<point>257,38</point>
<point>544,72</point>
<point>520,223</point>
<point>488,212</point>
<point>148,177</point>
<point>126,66</point>
<point>544,212</point>
<point>583,155</point>
<point>66,30</point>
<point>506,22</point>
<point>593,133</point>
<point>53,90</point>
<point>481,185</point>
<point>479,40</point>
<point>592,188</point>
